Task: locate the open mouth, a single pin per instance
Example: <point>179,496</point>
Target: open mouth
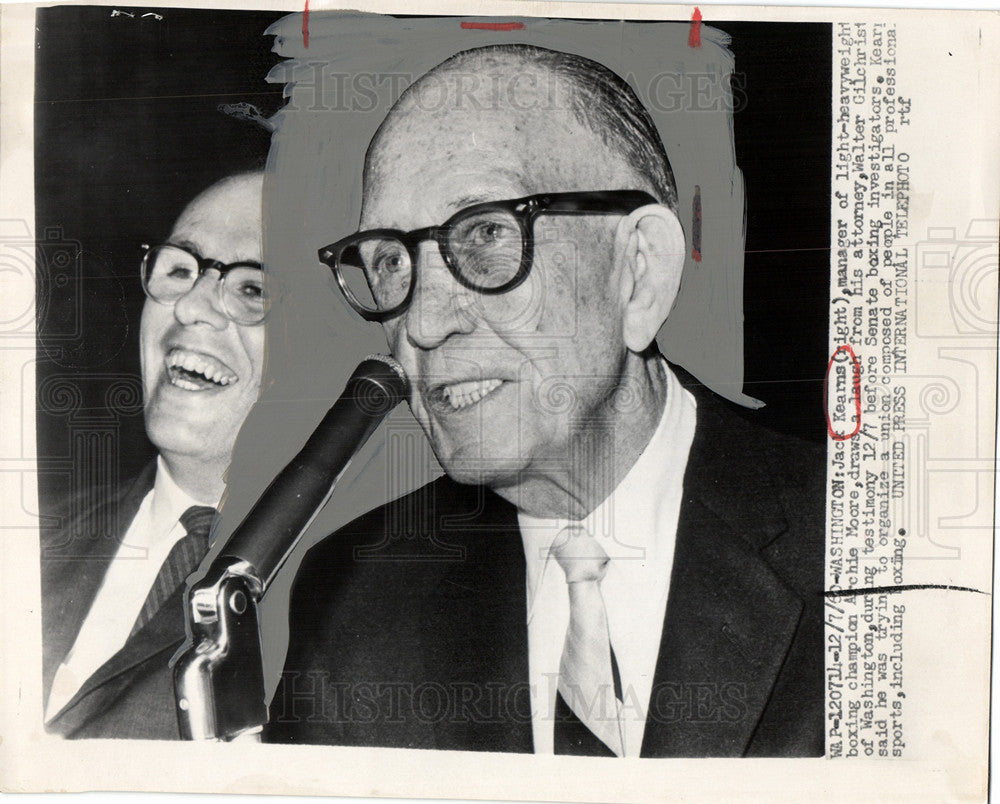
<point>194,371</point>
<point>464,394</point>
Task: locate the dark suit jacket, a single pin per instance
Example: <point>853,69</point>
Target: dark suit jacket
<point>408,627</point>
<point>131,695</point>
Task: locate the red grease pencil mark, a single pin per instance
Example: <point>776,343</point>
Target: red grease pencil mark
<point>696,224</point>
<point>305,25</point>
<point>840,408</point>
<point>492,26</point>
<point>694,38</point>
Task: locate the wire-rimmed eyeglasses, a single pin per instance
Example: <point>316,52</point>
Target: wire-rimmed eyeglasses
<point>488,248</point>
<point>170,271</point>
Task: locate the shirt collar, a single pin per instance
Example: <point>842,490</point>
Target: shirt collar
<point>169,502</point>
<point>639,494</point>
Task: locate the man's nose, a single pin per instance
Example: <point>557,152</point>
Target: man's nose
<point>440,307</point>
<point>202,304</point>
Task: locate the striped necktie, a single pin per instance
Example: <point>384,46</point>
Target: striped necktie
<point>589,699</point>
<point>182,560</point>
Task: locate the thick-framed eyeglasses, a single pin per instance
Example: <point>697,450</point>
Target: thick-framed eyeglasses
<point>170,271</point>
<point>487,247</point>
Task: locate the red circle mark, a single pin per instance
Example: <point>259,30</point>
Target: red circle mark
<point>492,26</point>
<point>305,25</point>
<point>696,255</point>
<point>856,388</point>
<point>694,38</point>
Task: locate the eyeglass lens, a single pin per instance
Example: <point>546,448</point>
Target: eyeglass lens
<point>171,272</point>
<point>485,248</point>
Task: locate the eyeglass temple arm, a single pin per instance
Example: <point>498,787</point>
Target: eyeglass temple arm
<point>614,201</point>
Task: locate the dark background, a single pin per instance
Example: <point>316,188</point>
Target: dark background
<point>128,131</point>
<point>783,148</point>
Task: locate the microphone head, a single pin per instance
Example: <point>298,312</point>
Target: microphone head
<point>395,365</point>
<point>381,383</point>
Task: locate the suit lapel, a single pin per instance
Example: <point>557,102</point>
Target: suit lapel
<point>74,562</point>
<point>728,625</point>
<point>478,647</point>
<point>729,618</point>
<point>161,636</point>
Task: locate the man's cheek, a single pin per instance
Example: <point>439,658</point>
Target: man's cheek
<point>394,337</point>
<point>153,325</point>
<point>150,368</point>
<point>516,312</point>
<point>563,292</point>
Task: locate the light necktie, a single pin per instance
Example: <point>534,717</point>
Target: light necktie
<point>182,560</point>
<point>588,679</point>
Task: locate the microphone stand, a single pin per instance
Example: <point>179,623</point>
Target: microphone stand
<point>218,673</point>
<point>219,676</point>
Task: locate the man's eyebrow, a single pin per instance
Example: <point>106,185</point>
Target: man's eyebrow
<point>184,243</point>
<point>515,180</point>
<point>483,198</point>
<point>469,200</point>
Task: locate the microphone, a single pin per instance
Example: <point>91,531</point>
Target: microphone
<point>293,499</point>
<point>218,672</point>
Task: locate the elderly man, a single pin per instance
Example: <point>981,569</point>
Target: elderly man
<point>112,609</point>
<point>631,570</point>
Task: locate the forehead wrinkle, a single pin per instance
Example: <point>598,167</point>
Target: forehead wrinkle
<point>519,144</point>
<point>185,243</point>
<point>407,112</point>
<point>233,237</point>
<point>494,177</point>
<point>509,175</point>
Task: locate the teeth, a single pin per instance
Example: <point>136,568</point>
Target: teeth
<point>208,367</point>
<point>187,385</point>
<point>462,394</point>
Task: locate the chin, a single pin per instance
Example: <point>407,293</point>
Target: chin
<point>467,465</point>
<point>181,438</point>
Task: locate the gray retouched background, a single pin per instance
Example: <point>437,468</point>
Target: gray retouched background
<point>313,197</point>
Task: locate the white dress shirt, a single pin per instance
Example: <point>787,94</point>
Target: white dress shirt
<point>637,527</point>
<point>148,541</point>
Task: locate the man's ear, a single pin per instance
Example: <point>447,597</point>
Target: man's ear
<point>650,248</point>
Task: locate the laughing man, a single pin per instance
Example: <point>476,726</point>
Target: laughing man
<point>113,578</point>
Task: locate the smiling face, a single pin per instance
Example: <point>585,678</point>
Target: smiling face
<point>201,372</point>
<point>506,386</point>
